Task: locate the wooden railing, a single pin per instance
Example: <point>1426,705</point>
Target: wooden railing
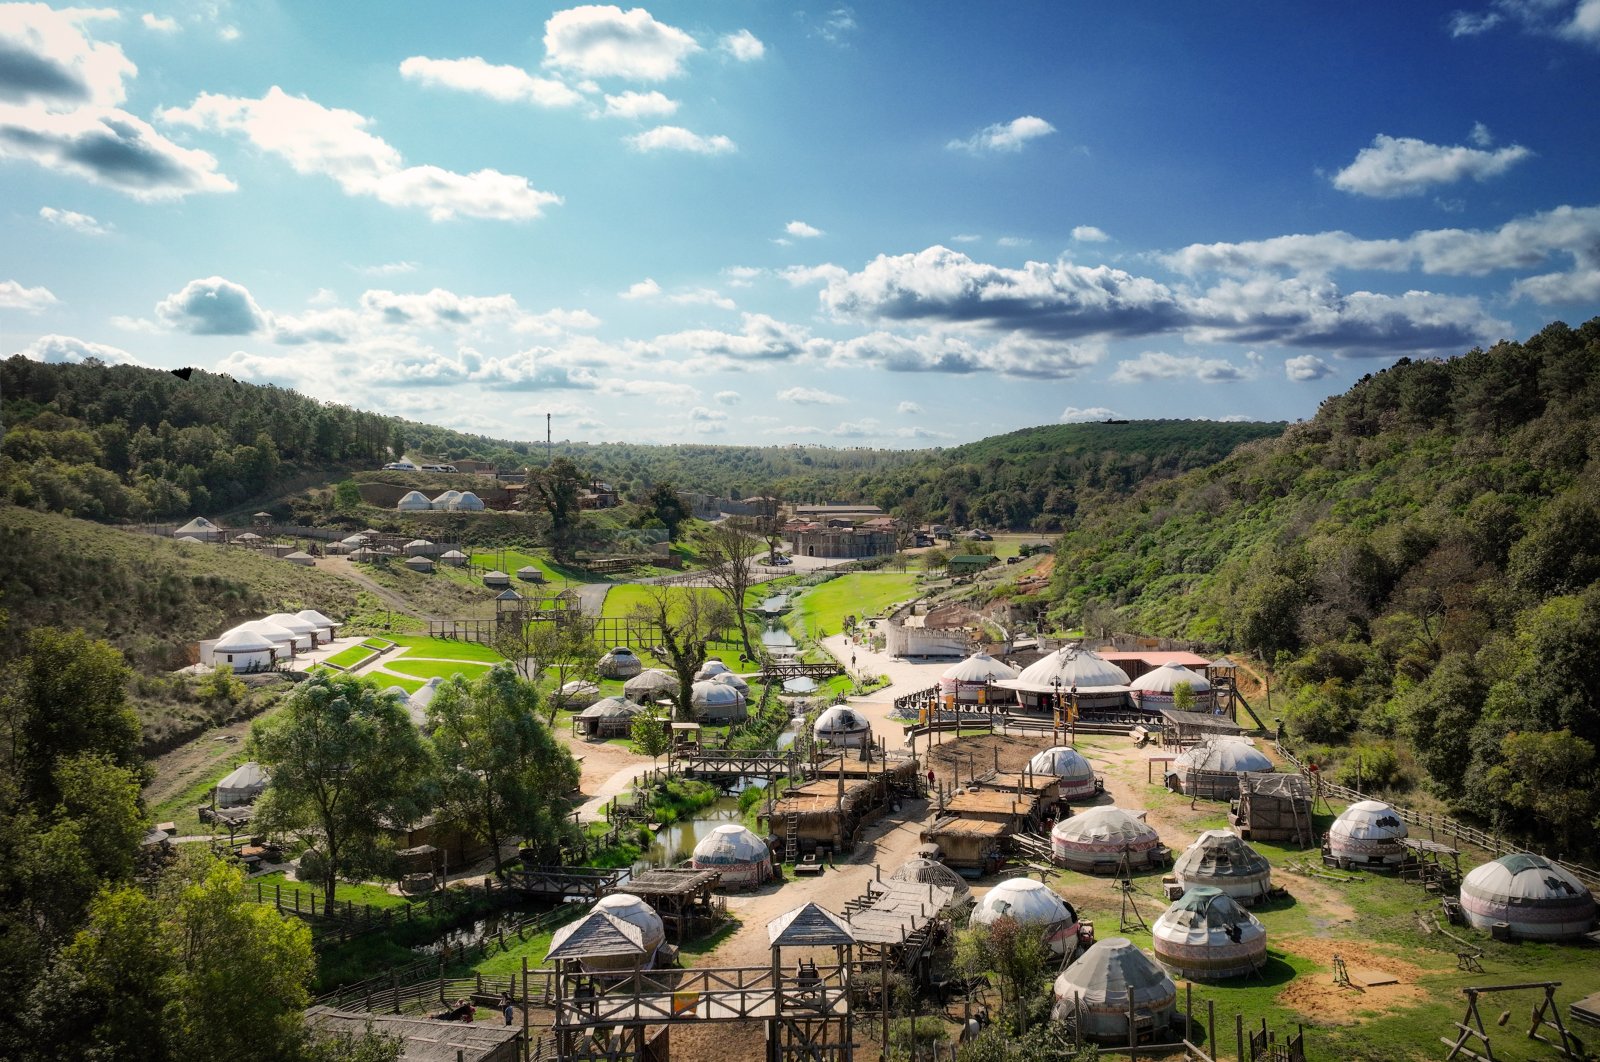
<point>714,994</point>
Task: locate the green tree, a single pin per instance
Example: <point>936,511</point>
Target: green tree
<point>664,505</point>
<point>730,555</point>
<point>651,735</point>
<point>1015,953</point>
<point>556,489</point>
<point>687,621</point>
<point>1183,697</point>
<point>501,771</point>
<point>1549,776</point>
<point>342,758</point>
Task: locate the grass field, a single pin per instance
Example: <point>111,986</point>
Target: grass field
<point>822,609</point>
<point>372,895</point>
<point>354,656</point>
<point>446,649</point>
<point>623,598</point>
<point>427,669</point>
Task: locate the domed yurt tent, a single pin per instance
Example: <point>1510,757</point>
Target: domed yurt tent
<point>419,547</point>
<point>529,574</point>
<point>740,855</point>
<point>1537,899</point>
<point>302,558</point>
<point>420,565</point>
<point>468,503</point>
<point>1031,903</point>
<point>242,649</point>
<point>842,727</point>
<point>1155,689</point>
<point>1206,936</point>
<point>201,530</point>
<point>728,678</point>
<point>496,579</point>
<point>1077,780</point>
<point>1219,860</point>
<point>649,684</point>
<point>619,663</point>
<point>305,634</point>
<point>711,669</point>
<point>241,786</point>
<point>1101,684</point>
<point>1095,840</point>
<point>1095,988</point>
<point>715,702</point>
<point>968,681</point>
<point>447,500</point>
<point>282,639</point>
<point>576,694</point>
<point>454,557</point>
<point>413,501</point>
<point>1211,768</point>
<point>932,872</point>
<point>637,913</point>
<point>327,629</point>
<point>607,718</point>
<point>1368,834</point>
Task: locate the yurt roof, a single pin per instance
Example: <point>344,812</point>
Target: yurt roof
<point>414,499</point>
<point>1229,756</point>
<point>596,935</point>
<point>1061,761</point>
<point>311,615</point>
<point>364,554</point>
<point>336,547</point>
<point>271,631</point>
<point>728,678</point>
<point>1029,902</point>
<point>469,500</point>
<point>454,554</point>
<point>1166,678</point>
<point>1106,972</point>
<point>932,872</point>
<point>248,536</point>
<point>1523,876</point>
<point>419,562</point>
<point>418,542</point>
<point>1074,666</point>
<point>707,693</point>
<point>496,575</point>
<point>652,679</point>
<point>447,497</point>
<point>199,525</point>
<point>354,540</point>
<point>633,910</point>
<point>808,926</point>
<point>712,667</point>
<point>242,640</point>
<point>247,775</point>
<point>1220,854</point>
<point>731,843</point>
<point>293,623</point>
<point>527,570</point>
<point>1369,820</point>
<point>579,686</point>
<point>609,708</point>
<point>841,719</point>
<point>619,650</point>
<point>298,554</point>
<point>1204,907</point>
<point>979,667</point>
<point>1106,824</point>
<point>425,693</point>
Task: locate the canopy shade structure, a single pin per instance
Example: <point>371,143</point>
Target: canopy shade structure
<point>1538,899</point>
<point>1206,936</point>
<point>635,912</point>
<point>1096,988</point>
<point>809,927</point>
<point>1067,764</point>
<point>599,940</point>
<point>1103,835</point>
<point>1367,834</point>
<point>1219,860</point>
<point>1031,903</point>
<point>741,856</point>
<point>923,871</point>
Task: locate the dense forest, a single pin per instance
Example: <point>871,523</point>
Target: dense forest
<point>1421,562</point>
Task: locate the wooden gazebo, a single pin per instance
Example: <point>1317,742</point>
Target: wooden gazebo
<point>683,899</point>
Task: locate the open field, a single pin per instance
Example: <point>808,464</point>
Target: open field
<point>419,645</point>
<point>427,669</point>
<point>822,608</point>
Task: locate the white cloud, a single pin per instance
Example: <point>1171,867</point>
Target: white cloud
<point>706,420</point>
<point>554,322</point>
<point>387,269</point>
<point>1089,234</point>
<point>702,297</point>
<point>51,62</point>
<point>910,409</point>
<point>13,296</point>
<point>677,138</point>
<point>334,142</point>
<point>1004,136</point>
<point>760,339</point>
<point>1014,354</point>
<point>439,308</point>
<point>837,25</point>
<point>741,276</point>
<point>71,219</point>
<point>743,46</point>
<point>1574,287</point>
<point>1472,23</point>
<point>1156,365</point>
<point>642,289</point>
<point>1306,367</point>
<point>229,33</point>
<point>1480,135</point>
<point>73,351</point>
<point>810,396</point>
<point>1403,166</point>
<point>213,306</point>
<point>801,229</point>
<point>1584,25</point>
<point>966,237</point>
<point>640,105</point>
<point>159,23</point>
<point>1074,415</point>
<point>1013,241</point>
<point>604,41</point>
<point>508,84</point>
<point>727,398</point>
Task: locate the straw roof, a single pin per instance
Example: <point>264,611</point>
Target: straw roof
<point>808,926</point>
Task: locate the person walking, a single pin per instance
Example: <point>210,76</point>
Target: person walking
<point>507,1007</point>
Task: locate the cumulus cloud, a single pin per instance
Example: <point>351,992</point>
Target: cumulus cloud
<point>1074,415</point>
<point>1004,136</point>
<point>677,138</point>
<point>1089,234</point>
<point>642,289</point>
<point>508,84</point>
<point>74,351</point>
<point>1013,355</point>
<point>13,296</point>
<point>743,46</point>
<point>760,339</point>
<point>1306,367</point>
<point>640,105</point>
<point>837,25</point>
<point>335,143</point>
<point>71,219</point>
<point>1403,166</point>
<point>213,306</point>
<point>1157,365</point>
<point>727,398</point>
<point>741,276</point>
<point>810,396</point>
<point>706,420</point>
<point>1584,25</point>
<point>1013,241</point>
<point>439,308</point>
<point>802,230</point>
<point>159,23</point>
<point>909,409</point>
<point>702,297</point>
<point>601,40</point>
<point>1576,286</point>
<point>47,59</point>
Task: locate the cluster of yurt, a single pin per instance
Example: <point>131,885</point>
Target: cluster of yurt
<point>740,856</point>
<point>716,702</point>
<point>1096,840</point>
<point>1094,991</point>
<point>619,662</point>
<point>1097,681</point>
<point>1368,834</point>
<point>1533,898</point>
<point>922,871</point>
<point>1034,904</point>
<point>621,933</point>
<point>1212,767</point>
<point>1221,861</point>
<point>1076,777</point>
<point>967,682</point>
<point>1206,936</point>
<point>451,500</point>
<point>649,684</point>
<point>607,718</point>
<point>257,644</point>
<point>1157,688</point>
<point>842,727</point>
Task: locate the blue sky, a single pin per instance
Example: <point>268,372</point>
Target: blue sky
<point>894,224</point>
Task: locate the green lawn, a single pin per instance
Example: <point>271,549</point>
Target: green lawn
<point>823,608</point>
<point>372,895</point>
<point>623,598</point>
<point>182,808</point>
<point>427,669</point>
<point>514,559</point>
<point>354,656</point>
<point>446,649</point>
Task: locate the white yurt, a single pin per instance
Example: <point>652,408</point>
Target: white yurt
<point>1097,838</point>
<point>421,565</point>
<point>932,872</point>
<point>842,727</point>
<point>1206,936</point>
<point>1100,683</point>
<point>1155,688</point>
<point>711,669</point>
<point>201,530</point>
<point>740,855</point>
<point>355,541</point>
<point>1219,860</point>
<point>469,503</point>
<point>1536,898</point>
<point>337,549</point>
<point>496,579</point>
<point>968,680</point>
<point>579,693</point>
<point>249,538</point>
<point>305,634</point>
<point>418,547</point>
<point>1031,903</point>
<point>619,663</point>
<point>1367,834</point>
<point>1066,763</point>
<point>1217,756</point>
<point>636,912</point>
<point>413,501</point>
<point>529,574</point>
<point>365,555</point>
<point>282,639</point>
<point>327,629</point>
<point>241,786</point>
<point>608,717</point>
<point>728,678</point>
<point>716,703</point>
<point>1096,989</point>
<point>447,500</point>
<point>243,649</point>
<point>649,684</point>
<point>454,557</point>
<point>300,557</point>
<point>417,703</point>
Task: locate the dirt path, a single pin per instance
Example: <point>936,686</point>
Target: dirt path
<point>173,772</point>
<point>342,567</point>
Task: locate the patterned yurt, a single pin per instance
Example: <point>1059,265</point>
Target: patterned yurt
<point>1096,988</point>
<point>740,855</point>
<point>716,702</point>
<point>1031,903</point>
<point>637,913</point>
<point>1536,898</point>
<point>1155,688</point>
<point>607,718</point>
<point>649,684</point>
<point>413,501</point>
<point>967,680</point>
<point>1219,860</point>
<point>1097,838</point>
<point>842,727</point>
<point>1067,764</point>
<point>1219,756</point>
<point>1368,834</point>
<point>1100,683</point>
<point>932,872</point>
<point>619,663</point>
<point>1206,936</point>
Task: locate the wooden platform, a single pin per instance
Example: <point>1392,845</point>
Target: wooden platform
<point>1586,1010</point>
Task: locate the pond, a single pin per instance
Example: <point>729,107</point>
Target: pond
<point>675,843</point>
<point>469,934</point>
<point>776,639</point>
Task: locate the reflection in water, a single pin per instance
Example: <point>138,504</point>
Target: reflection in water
<point>775,637</point>
<point>675,843</point>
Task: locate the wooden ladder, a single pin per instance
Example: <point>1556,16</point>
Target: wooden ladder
<point>791,847</point>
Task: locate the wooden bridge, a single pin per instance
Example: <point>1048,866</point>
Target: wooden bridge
<point>783,671</point>
<point>738,993</point>
<point>563,883</point>
<point>764,763</point>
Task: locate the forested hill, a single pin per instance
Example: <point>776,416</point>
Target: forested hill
<point>1421,559</point>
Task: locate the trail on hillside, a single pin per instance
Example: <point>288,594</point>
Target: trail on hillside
<point>342,567</point>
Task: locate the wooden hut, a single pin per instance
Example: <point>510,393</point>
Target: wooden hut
<point>969,843</point>
<point>682,898</point>
<point>826,814</point>
<point>1272,807</point>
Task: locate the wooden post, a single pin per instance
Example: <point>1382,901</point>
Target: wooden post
<point>1238,1036</point>
<point>527,1041</point>
<point>1133,1035</point>
<point>1211,1028</point>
